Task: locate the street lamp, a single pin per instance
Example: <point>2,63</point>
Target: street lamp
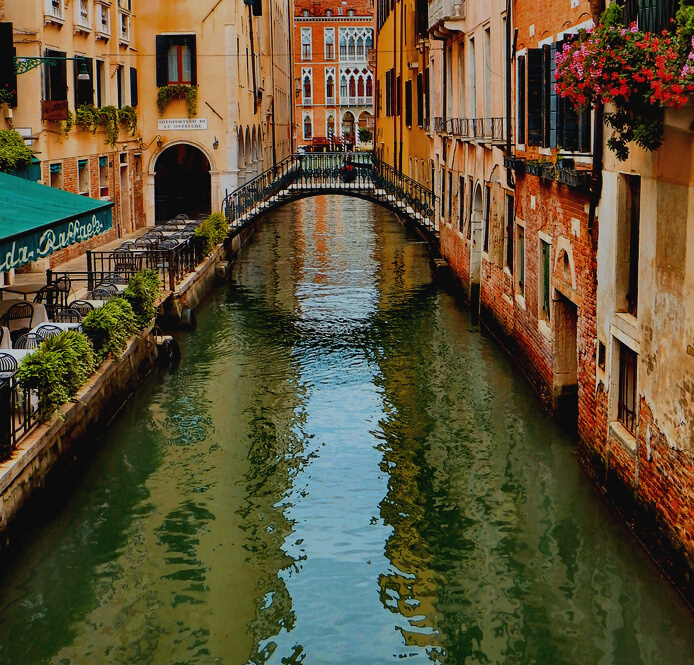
<point>23,64</point>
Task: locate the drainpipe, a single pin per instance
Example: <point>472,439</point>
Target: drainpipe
<point>402,75</point>
<point>510,180</point>
<point>598,7</point>
<point>292,97</point>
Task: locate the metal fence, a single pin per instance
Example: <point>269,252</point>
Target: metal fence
<point>480,129</point>
<point>18,414</point>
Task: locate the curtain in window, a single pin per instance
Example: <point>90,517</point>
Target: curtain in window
<point>173,63</point>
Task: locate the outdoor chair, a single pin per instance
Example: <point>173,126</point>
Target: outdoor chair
<point>190,227</point>
<point>18,312</point>
<point>146,242</point>
<point>181,216</point>
<point>115,278</point>
<point>8,365</point>
<point>28,341</point>
<point>48,297</point>
<point>81,306</point>
<point>44,332</point>
<point>127,245</point>
<point>169,227</point>
<point>107,286</point>
<point>69,315</point>
<point>99,294</point>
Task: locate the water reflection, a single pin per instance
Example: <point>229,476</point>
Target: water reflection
<point>342,470</point>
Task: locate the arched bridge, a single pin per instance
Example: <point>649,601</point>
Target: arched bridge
<point>352,174</point>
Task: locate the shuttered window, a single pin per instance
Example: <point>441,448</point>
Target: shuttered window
<point>176,60</point>
<point>84,90</point>
<point>133,87</point>
<point>420,100</point>
<point>520,92</point>
<point>534,92</point>
<point>55,77</point>
<point>408,103</point>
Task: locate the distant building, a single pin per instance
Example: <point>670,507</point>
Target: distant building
<point>334,82</point>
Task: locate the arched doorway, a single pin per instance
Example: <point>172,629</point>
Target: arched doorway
<point>348,129</point>
<point>476,222</point>
<point>182,183</point>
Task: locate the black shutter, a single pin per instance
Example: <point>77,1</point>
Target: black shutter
<point>427,107</point>
<point>257,7</point>
<point>420,100</point>
<point>162,61</point>
<point>408,103</point>
<point>546,96</point>
<point>584,129</point>
<point>190,40</point>
<point>398,96</point>
<point>535,96</point>
<point>520,92</point>
<point>8,76</point>
<point>551,120</point>
<point>133,86</point>
<point>56,77</point>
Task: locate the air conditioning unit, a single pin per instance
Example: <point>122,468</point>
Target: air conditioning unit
<point>413,65</point>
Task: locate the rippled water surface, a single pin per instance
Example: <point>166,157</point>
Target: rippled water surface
<point>342,470</point>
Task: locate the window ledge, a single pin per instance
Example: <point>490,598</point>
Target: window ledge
<point>623,436</point>
<point>545,329</point>
<point>520,301</point>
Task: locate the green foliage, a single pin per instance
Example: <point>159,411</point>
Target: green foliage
<point>127,116</point>
<point>109,118</point>
<point>65,126</point>
<point>213,230</point>
<point>6,95</point>
<point>168,92</point>
<point>89,117</point>
<point>143,289</point>
<point>109,327</point>
<point>57,369</point>
<point>364,135</point>
<point>13,151</point>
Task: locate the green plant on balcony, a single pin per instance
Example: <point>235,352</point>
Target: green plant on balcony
<point>14,153</point>
<point>6,95</point>
<point>127,117</point>
<point>89,117</point>
<point>92,117</point>
<point>637,74</point>
<point>188,92</point>
<point>65,126</point>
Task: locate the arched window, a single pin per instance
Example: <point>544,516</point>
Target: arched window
<point>331,126</point>
<point>308,127</point>
<point>351,47</point>
<point>360,87</point>
<point>352,87</point>
<point>360,47</point>
<point>306,44</point>
<point>369,87</point>
<point>330,89</point>
<point>343,87</point>
<point>343,46</point>
<point>307,87</point>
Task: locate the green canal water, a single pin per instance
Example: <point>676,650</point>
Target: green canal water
<point>342,470</point>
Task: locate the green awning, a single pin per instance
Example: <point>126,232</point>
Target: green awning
<point>37,220</point>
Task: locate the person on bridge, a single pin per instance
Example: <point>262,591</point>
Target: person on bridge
<point>347,171</point>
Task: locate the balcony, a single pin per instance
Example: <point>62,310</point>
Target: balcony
<point>83,21</point>
<point>307,101</point>
<point>482,130</point>
<point>330,101</point>
<point>54,12</point>
<point>447,16</point>
<point>124,33</point>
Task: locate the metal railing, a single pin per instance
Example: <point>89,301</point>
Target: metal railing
<point>18,414</point>
<point>171,264</point>
<point>480,129</point>
<point>299,175</point>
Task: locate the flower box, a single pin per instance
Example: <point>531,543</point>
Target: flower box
<point>515,163</point>
<point>533,168</point>
<point>573,178</point>
<point>547,171</point>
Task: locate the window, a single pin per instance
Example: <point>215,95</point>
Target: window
<point>306,86</point>
<point>125,27</point>
<point>487,207</point>
<point>472,87</point>
<point>420,100</point>
<point>330,87</point>
<point>176,60</point>
<point>627,259</point>
<point>398,96</point>
<point>343,88</point>
<point>390,85</point>
<point>552,121</point>
<point>84,90</point>
<point>426,98</point>
<point>55,77</point>
<point>510,224</point>
<point>103,26</point>
<point>103,177</point>
<point>331,126</point>
<point>120,89</point>
<point>329,41</point>
<point>443,192</point>
<point>83,177</point>
<point>520,92</point>
<point>133,87</point>
<point>308,127</point>
<point>100,84</point>
<point>82,14</point>
<point>520,260</point>
<point>469,208</point>
<point>626,401</point>
<point>408,103</point>
<point>544,280</point>
<point>56,173</point>
<point>461,203</point>
<point>602,353</point>
<point>306,50</point>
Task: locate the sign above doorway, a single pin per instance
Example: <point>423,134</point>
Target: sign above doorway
<point>172,124</point>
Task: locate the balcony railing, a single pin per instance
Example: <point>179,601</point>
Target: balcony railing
<point>445,10</point>
<point>330,101</point>
<point>480,129</point>
<point>18,411</point>
<point>55,9</point>
<point>307,101</point>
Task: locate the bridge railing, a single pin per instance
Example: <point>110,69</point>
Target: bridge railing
<point>312,173</point>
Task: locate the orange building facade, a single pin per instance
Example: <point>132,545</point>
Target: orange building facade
<point>333,82</point>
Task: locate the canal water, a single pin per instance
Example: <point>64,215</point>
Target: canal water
<point>342,470</point>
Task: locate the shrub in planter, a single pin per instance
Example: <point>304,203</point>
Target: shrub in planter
<point>109,327</point>
<point>13,151</point>
<point>143,289</point>
<point>57,369</point>
<point>213,230</point>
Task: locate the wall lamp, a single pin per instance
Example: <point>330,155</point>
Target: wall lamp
<point>24,64</point>
<point>215,144</point>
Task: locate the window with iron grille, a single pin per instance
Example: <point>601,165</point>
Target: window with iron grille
<point>626,402</point>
